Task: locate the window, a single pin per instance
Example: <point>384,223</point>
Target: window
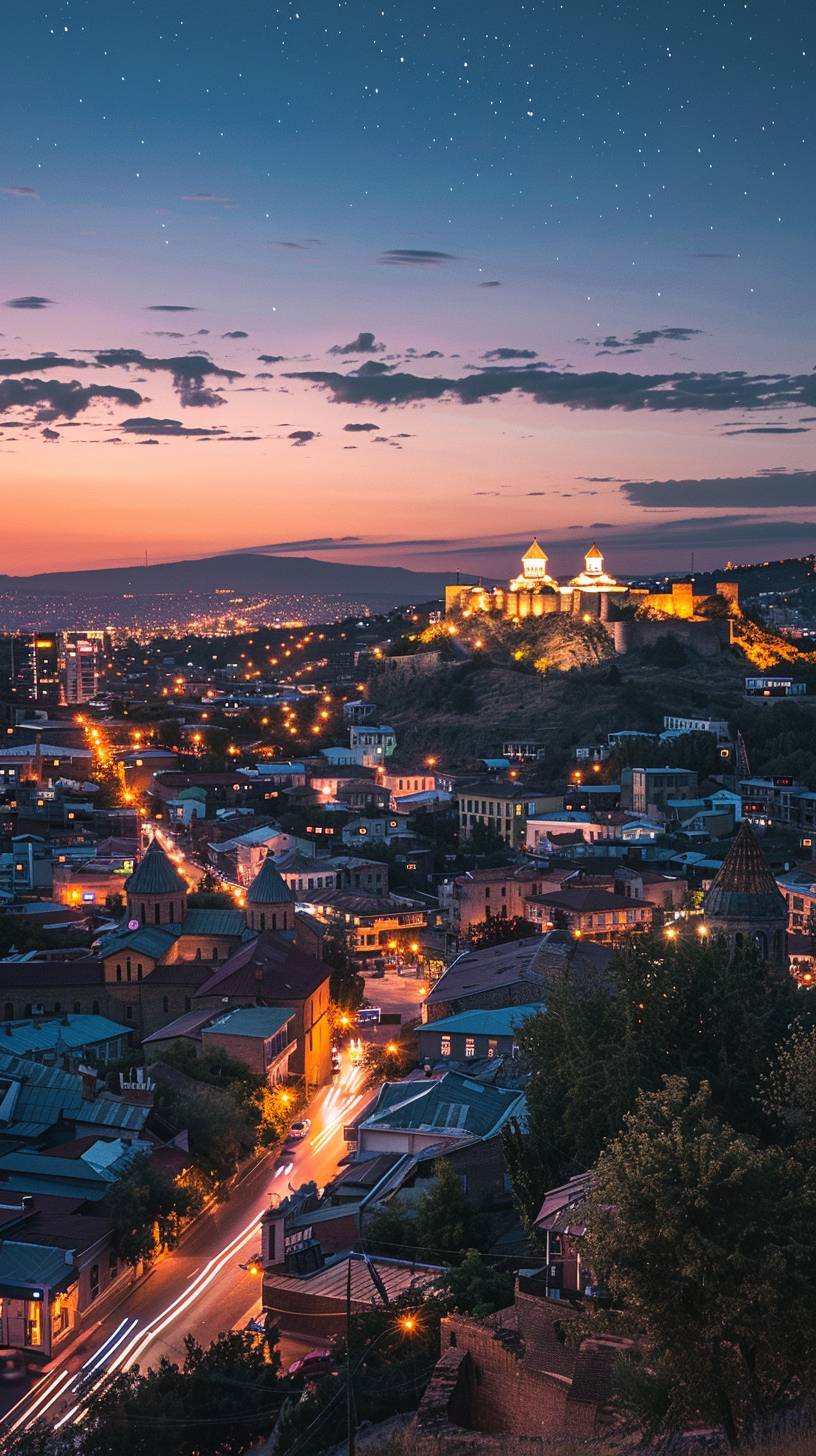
<point>128,1013</point>
<point>470,1046</point>
<point>157,913</point>
<point>492,1046</point>
<point>95,1008</point>
<point>444,1046</point>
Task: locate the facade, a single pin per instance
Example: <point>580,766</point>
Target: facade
<point>651,787</point>
<point>502,808</point>
<point>472,1035</point>
<point>774,686</point>
<point>593,912</point>
<point>369,923</point>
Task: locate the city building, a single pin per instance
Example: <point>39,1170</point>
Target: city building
<point>502,808</point>
<point>774,685</point>
<point>472,1035</point>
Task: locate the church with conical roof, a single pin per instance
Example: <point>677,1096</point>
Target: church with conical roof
<point>744,905</point>
<point>165,960</point>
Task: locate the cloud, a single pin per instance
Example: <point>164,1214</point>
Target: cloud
<point>165,334</point>
<point>770,430</point>
<point>511,354</point>
<point>210,197</point>
<point>490,283</point>
<point>354,429</point>
<point>189,372</point>
<point>59,399</point>
<point>51,435</point>
<point>271,359</point>
<point>146,425</point>
<point>596,390</point>
<point>236,334</point>
<point>365,343</point>
<point>171,308</point>
<point>30,300</point>
<point>26,192</point>
<point>416,257</point>
<point>372,367</point>
<point>767,491</point>
<point>641,339</point>
<point>39,362</point>
<point>298,245</point>
<point>303,437</point>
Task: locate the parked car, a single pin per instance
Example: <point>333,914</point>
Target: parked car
<point>299,1129</point>
<point>314,1362</point>
<point>12,1364</point>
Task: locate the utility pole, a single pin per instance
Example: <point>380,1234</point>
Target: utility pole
<point>350,1422</point>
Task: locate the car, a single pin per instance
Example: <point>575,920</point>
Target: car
<point>314,1362</point>
<point>299,1129</point>
<point>12,1364</point>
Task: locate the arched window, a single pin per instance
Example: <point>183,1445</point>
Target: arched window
<point>739,940</point>
<point>263,920</point>
<point>8,1011</point>
<point>118,973</point>
<point>274,922</point>
<point>143,916</point>
<point>138,970</point>
<point>76,1008</point>
<point>761,943</point>
<point>57,1007</point>
<point>95,1008</point>
<point>157,913</point>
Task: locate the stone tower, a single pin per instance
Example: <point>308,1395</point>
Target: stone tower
<point>156,892</point>
<point>744,905</point>
<point>270,903</point>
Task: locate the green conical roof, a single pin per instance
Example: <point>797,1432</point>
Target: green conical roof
<point>269,887</point>
<point>155,874</point>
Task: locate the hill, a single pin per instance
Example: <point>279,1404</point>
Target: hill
<point>557,682</point>
<point>252,572</point>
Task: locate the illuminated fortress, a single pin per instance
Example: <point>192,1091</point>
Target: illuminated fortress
<point>535,593</point>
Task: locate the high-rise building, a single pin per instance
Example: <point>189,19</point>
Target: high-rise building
<point>80,654</point>
<point>45,669</point>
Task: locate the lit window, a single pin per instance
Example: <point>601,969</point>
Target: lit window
<point>470,1046</point>
<point>445,1046</point>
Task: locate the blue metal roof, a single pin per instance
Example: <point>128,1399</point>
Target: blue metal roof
<point>69,1032</point>
<point>498,1021</point>
<point>261,1021</point>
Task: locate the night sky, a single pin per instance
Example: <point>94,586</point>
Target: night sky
<point>408,282</point>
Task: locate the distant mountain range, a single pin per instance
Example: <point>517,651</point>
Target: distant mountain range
<point>284,576</point>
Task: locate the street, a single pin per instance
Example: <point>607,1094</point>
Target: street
<point>200,1287</point>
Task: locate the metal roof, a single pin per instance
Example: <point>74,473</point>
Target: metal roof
<point>260,1021</point>
<point>155,874</point>
<point>37,1265</point>
<point>498,1021</point>
<point>454,1105</point>
<point>269,886</point>
<point>214,922</point>
<point>68,1032</point>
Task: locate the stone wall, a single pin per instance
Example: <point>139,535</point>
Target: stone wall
<point>704,638</point>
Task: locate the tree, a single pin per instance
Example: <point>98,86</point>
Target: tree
<point>346,985</point>
<point>694,1010</point>
<point>217,1402</point>
<point>708,1242</point>
<point>478,1287</point>
<point>447,1221</point>
<point>223,1129</point>
<point>498,929</point>
<point>148,1211</point>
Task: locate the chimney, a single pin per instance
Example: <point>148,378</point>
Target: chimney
<point>87,1077</point>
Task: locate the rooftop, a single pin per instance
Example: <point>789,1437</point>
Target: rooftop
<point>253,1021</point>
<point>269,887</point>
<point>155,874</point>
<point>497,1021</point>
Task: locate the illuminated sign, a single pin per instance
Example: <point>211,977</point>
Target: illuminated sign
<point>88,897</point>
<point>133,925</point>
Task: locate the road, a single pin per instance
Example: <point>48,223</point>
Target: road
<point>199,1288</point>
